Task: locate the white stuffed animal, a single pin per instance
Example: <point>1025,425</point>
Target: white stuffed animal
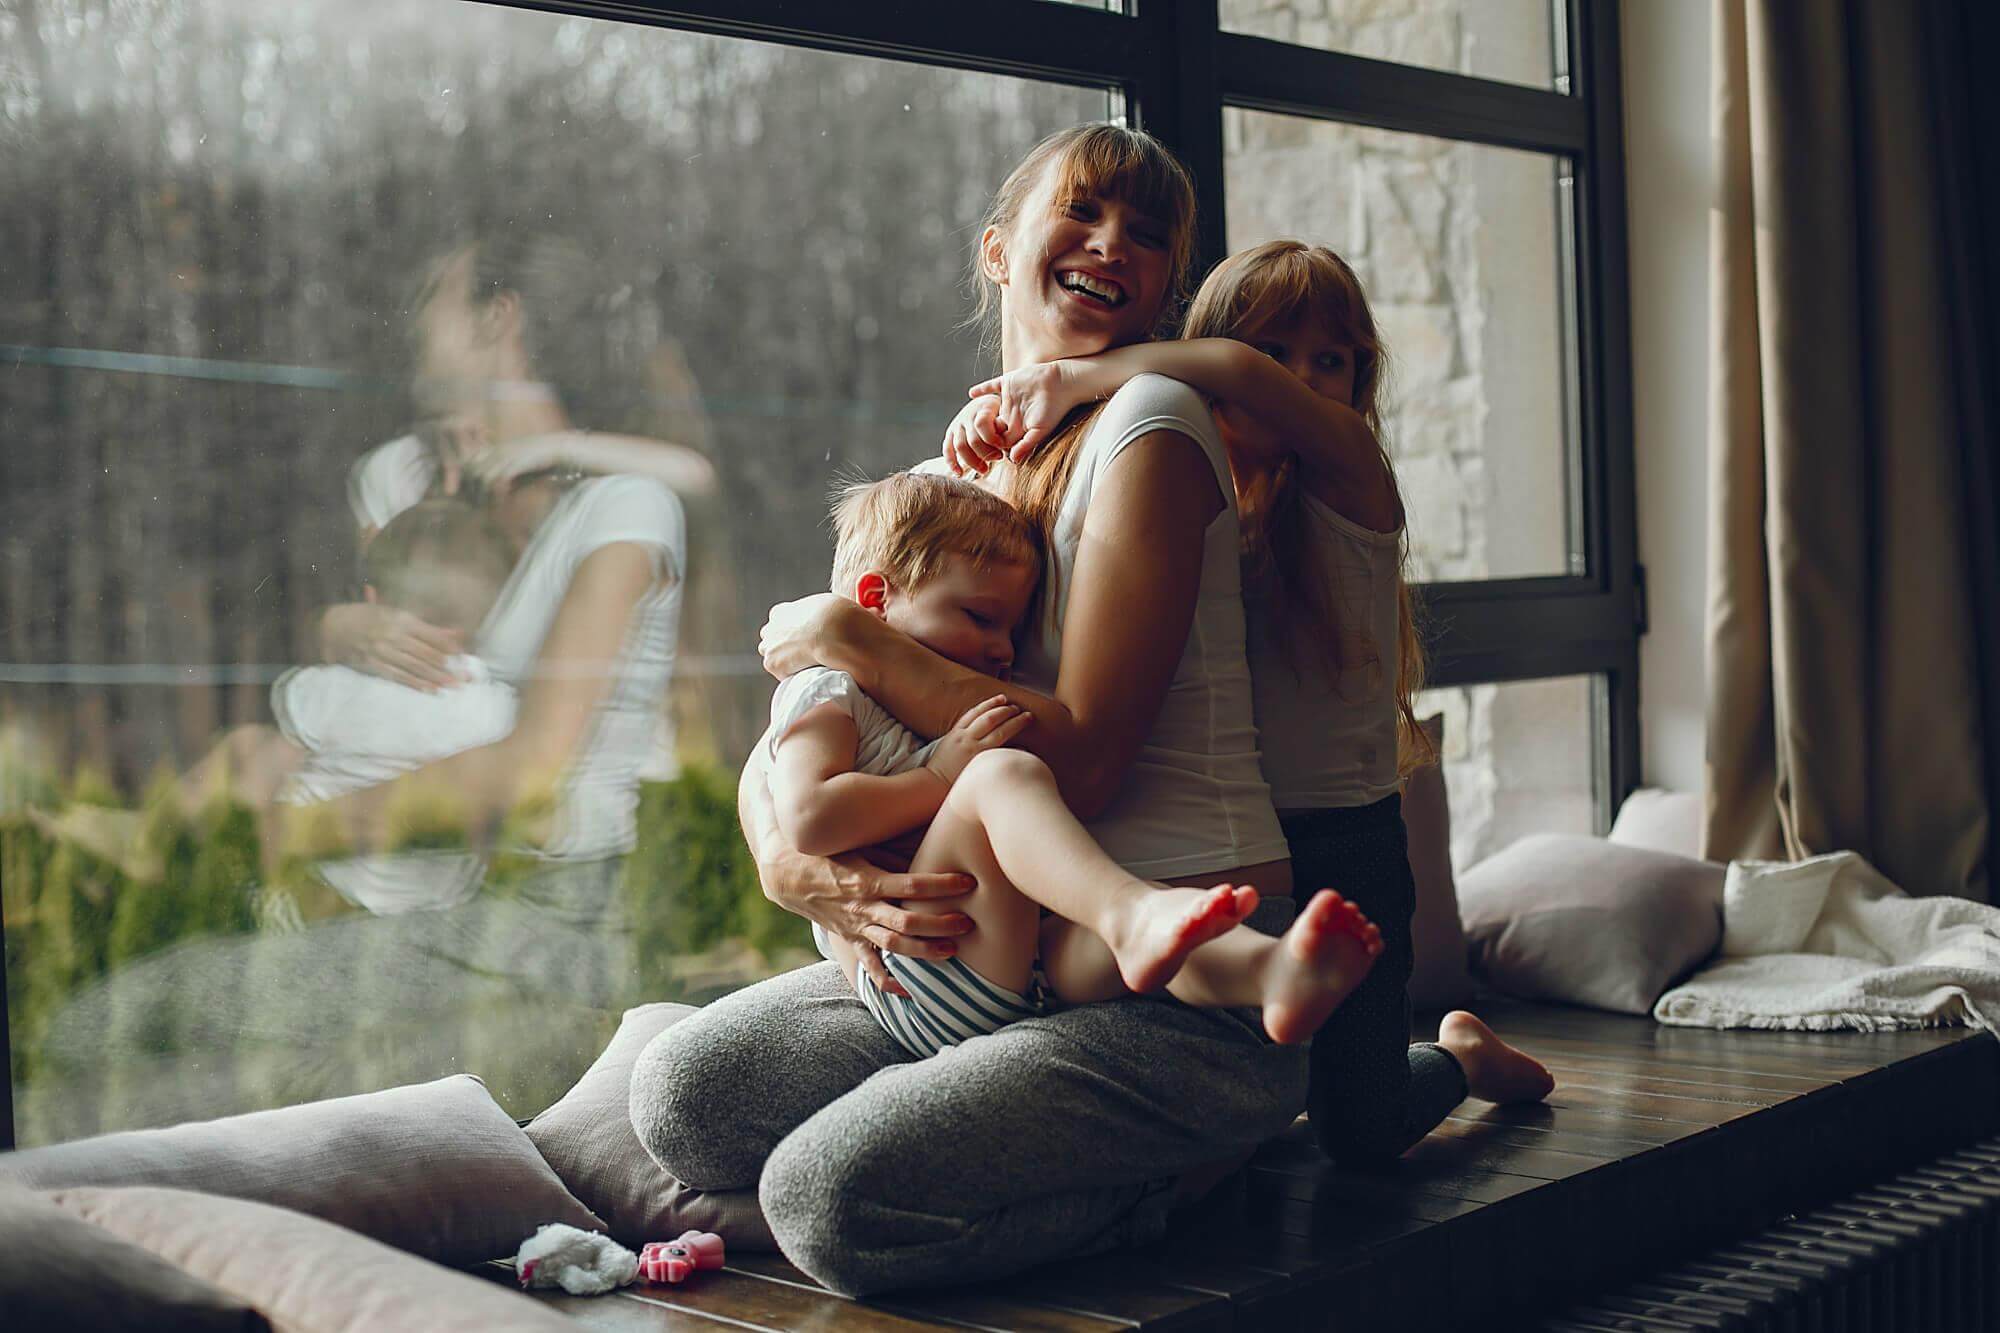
<point>582,1263</point>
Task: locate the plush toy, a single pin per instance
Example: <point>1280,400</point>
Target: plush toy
<point>674,1260</point>
<point>582,1263</point>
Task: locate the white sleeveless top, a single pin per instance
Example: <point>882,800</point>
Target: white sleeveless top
<point>1195,800</point>
<point>1330,737</point>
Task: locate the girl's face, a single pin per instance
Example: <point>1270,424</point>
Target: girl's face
<point>1310,352</point>
<point>1077,277</point>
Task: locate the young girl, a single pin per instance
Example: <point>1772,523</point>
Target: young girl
<point>1281,338</point>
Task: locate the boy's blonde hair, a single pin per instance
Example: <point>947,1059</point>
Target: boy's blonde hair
<point>904,525</point>
<point>444,560</point>
<point>1287,281</point>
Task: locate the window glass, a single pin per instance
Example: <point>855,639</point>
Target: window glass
<point>277,272</point>
<point>1519,758</point>
<point>1460,249</point>
<point>1511,40</point>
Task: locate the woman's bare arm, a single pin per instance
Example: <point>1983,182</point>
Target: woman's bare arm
<point>579,661</point>
<point>1131,604</point>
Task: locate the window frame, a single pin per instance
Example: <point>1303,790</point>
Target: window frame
<point>1178,69</point>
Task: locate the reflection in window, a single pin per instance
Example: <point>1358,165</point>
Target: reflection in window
<point>292,273</point>
<point>1460,249</point>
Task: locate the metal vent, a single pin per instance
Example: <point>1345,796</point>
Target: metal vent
<point>1916,1254</point>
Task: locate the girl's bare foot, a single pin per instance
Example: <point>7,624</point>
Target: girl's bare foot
<point>1318,963</point>
<point>1168,924</point>
<point>1494,1071</point>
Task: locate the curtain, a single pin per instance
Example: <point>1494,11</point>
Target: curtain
<point>1850,647</point>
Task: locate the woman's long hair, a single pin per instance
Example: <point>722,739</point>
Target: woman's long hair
<point>1108,161</point>
<point>1283,282</point>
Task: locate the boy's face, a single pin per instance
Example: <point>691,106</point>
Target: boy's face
<point>964,612</point>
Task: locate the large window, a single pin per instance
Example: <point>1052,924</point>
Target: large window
<point>259,264</point>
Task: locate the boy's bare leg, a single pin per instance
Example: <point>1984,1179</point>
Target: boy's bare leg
<point>249,764</point>
<point>1006,825</point>
<point>1297,979</point>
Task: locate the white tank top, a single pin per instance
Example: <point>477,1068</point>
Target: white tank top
<point>1195,800</point>
<point>1330,737</point>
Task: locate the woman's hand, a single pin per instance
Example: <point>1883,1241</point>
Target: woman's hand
<point>988,725</point>
<point>390,643</point>
<point>795,634</point>
<point>1033,402</point>
<point>453,441</point>
<point>858,900</point>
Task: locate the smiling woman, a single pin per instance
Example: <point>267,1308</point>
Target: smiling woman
<point>1136,682</point>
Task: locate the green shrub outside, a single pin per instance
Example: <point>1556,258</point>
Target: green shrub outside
<point>688,891</point>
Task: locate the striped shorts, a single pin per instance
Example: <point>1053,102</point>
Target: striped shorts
<point>947,1003</point>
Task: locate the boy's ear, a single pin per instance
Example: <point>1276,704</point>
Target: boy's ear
<point>871,590</point>
<point>993,256</point>
<point>369,595</point>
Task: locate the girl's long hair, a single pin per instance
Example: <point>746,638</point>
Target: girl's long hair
<point>1107,161</point>
<point>1287,281</point>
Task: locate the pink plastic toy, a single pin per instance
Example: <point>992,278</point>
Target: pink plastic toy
<point>673,1260</point>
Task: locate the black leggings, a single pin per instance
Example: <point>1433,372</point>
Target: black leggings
<point>1372,1094</point>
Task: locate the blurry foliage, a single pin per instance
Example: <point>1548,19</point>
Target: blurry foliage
<point>689,893</point>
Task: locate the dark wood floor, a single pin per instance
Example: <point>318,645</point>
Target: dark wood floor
<point>1656,1140</point>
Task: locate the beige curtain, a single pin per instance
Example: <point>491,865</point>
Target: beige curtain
<point>1844,699</point>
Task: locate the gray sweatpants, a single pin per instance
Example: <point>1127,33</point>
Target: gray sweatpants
<point>1060,1135</point>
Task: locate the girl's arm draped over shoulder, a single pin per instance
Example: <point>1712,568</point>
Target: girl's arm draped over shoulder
<point>1340,462</point>
<point>1132,594</point>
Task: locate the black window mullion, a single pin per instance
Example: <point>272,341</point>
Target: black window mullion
<point>1604,361</point>
<point>1265,75</point>
<point>1180,102</point>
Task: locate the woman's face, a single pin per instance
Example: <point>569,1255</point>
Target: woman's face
<point>1078,277</point>
<point>455,367</point>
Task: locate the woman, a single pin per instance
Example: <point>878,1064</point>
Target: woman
<point>1074,1131</point>
<point>489,320</point>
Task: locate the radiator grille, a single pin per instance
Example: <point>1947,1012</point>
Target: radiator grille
<point>1919,1253</point>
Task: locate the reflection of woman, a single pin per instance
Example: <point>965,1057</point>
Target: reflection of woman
<point>489,314</point>
<point>1072,1131</point>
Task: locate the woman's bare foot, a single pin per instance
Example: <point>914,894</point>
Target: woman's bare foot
<point>1168,924</point>
<point>1494,1071</point>
<point>1318,963</point>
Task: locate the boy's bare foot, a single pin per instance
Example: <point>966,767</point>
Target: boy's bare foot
<point>1494,1071</point>
<point>1321,959</point>
<point>1168,924</point>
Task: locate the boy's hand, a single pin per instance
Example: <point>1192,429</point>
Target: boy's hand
<point>985,726</point>
<point>1033,402</point>
<point>974,441</point>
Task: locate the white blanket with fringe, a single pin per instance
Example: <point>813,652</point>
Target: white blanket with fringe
<point>1829,943</point>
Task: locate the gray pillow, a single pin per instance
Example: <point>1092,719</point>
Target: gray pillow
<point>1563,917</point>
<point>588,1138</point>
<point>1665,821</point>
<point>306,1275</point>
<point>437,1169</point>
<point>58,1271</point>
